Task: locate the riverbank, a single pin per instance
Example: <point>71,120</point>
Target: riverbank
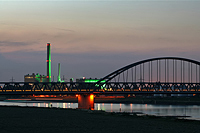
<point>51,120</point>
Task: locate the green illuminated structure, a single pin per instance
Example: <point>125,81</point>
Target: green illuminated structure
<point>93,81</point>
<point>49,62</point>
<point>59,79</point>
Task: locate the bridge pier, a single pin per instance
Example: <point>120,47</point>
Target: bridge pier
<point>86,101</point>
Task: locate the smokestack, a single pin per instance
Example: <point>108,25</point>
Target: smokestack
<point>48,62</point>
<point>59,79</point>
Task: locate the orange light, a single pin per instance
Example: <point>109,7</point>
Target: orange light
<point>91,96</point>
<point>76,95</point>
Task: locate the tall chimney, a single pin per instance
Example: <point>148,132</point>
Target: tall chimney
<point>59,79</point>
<point>48,62</point>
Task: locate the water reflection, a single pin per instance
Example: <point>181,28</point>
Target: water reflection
<point>131,107</point>
<point>98,107</point>
<point>160,110</point>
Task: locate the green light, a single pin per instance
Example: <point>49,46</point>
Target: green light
<point>37,77</point>
<point>40,78</point>
<point>59,79</point>
<point>93,81</point>
<point>49,64</point>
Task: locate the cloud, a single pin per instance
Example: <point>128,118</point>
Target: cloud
<point>11,46</point>
<point>10,43</point>
<point>67,30</point>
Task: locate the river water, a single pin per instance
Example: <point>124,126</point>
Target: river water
<point>159,110</point>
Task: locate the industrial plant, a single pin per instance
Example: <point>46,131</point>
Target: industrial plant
<point>32,78</point>
<point>42,78</point>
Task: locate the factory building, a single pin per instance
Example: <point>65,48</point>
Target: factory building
<point>35,78</point>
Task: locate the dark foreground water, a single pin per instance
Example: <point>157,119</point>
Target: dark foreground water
<point>159,110</point>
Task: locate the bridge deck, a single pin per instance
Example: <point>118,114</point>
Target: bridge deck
<point>54,88</point>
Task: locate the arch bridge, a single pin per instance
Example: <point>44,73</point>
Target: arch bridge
<point>155,75</point>
<point>163,75</point>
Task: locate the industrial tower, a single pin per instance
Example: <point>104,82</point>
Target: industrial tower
<point>48,62</point>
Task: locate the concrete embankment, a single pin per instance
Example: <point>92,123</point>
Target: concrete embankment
<point>51,120</point>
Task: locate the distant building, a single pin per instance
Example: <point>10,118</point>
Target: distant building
<point>35,78</point>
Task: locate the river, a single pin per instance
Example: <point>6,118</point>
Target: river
<point>159,110</point>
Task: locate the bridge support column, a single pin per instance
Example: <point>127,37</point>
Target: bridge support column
<point>86,101</point>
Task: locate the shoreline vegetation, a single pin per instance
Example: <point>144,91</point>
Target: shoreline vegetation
<point>40,120</point>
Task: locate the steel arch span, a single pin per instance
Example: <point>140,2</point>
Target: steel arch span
<point>180,70</point>
<point>155,75</point>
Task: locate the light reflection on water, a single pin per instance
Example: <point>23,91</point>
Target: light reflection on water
<point>159,110</point>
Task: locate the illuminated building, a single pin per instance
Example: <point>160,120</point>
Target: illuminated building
<point>35,78</point>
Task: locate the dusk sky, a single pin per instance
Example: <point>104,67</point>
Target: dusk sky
<point>94,38</point>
